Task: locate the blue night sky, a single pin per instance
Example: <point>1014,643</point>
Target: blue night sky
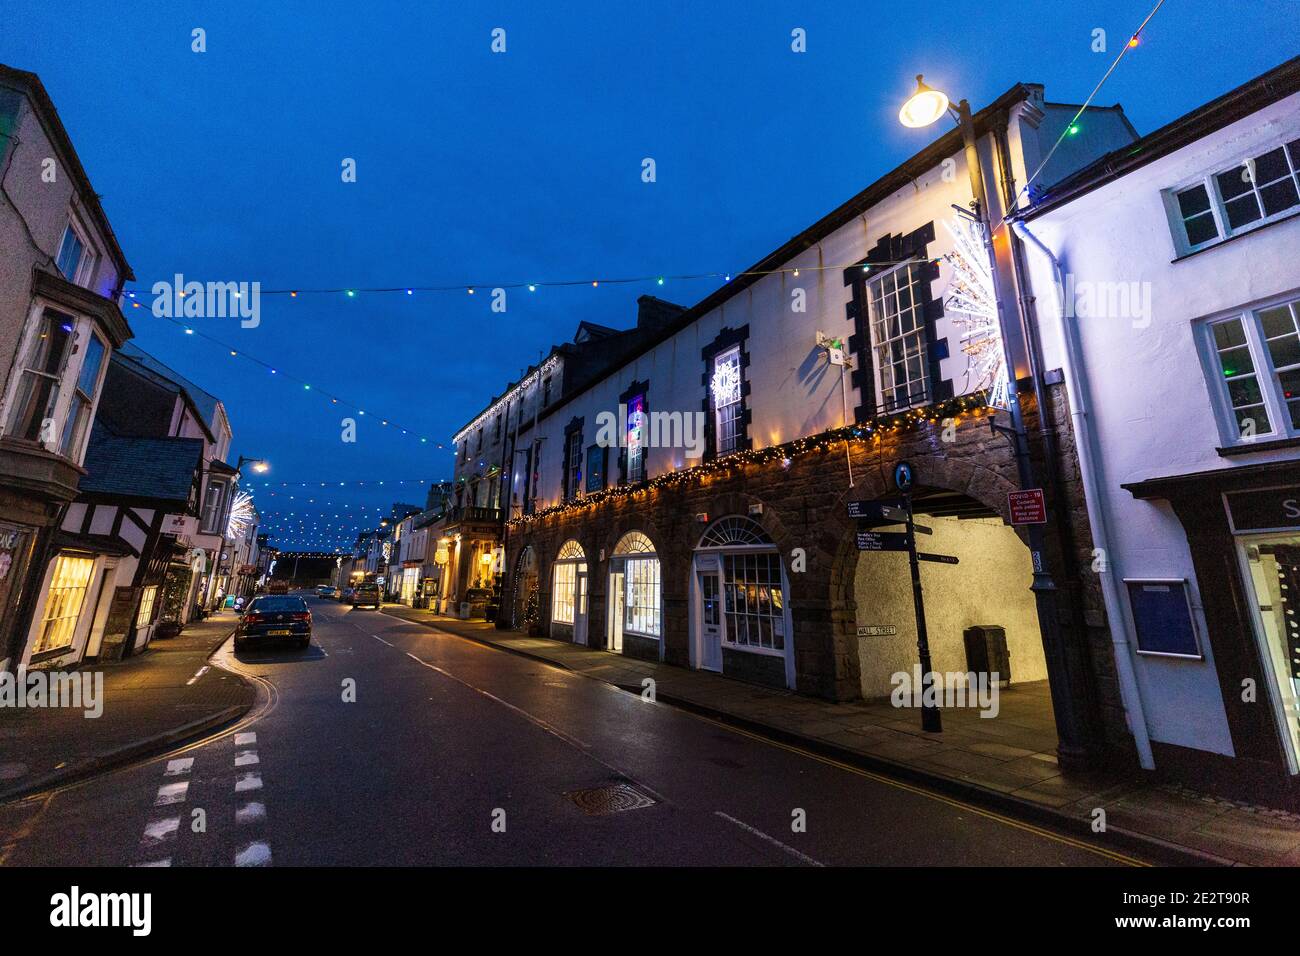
<point>480,168</point>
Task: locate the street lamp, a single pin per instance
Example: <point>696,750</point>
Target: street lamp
<point>923,108</point>
<point>259,464</point>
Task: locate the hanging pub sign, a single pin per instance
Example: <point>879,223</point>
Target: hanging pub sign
<point>1266,509</point>
<point>882,541</point>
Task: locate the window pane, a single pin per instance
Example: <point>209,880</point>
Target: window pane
<point>1270,166</point>
<point>1244,391</point>
<point>1276,321</point>
<point>1201,228</point>
<point>69,254</point>
<point>1227,334</point>
<point>1285,351</point>
<point>1253,421</point>
<point>1242,211</point>
<point>90,367</point>
<point>1193,201</point>
<point>1279,196</point>
<point>1236,362</point>
<point>1235,182</point>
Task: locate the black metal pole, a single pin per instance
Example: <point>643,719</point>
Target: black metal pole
<point>1070,733</point>
<point>931,720</point>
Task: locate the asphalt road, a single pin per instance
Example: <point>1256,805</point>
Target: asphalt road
<point>453,753</point>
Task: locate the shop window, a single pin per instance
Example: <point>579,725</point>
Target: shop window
<point>898,338</point>
<point>564,596</point>
<point>753,601</point>
<point>144,616</point>
<point>643,591</point>
<point>1273,566</point>
<point>1256,360</point>
<point>38,384</point>
<point>68,582</point>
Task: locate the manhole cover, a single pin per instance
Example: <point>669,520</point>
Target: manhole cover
<point>615,798</point>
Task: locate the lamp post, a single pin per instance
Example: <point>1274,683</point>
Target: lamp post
<point>259,464</point>
<point>922,108</point>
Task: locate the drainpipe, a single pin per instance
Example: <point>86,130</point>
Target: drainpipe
<point>1090,470</point>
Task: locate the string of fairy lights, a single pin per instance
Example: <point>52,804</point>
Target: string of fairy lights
<point>972,404</point>
<point>137,299</point>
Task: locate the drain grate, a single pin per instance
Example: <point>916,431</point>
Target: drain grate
<point>615,798</point>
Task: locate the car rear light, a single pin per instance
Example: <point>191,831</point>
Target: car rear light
<point>300,616</point>
<point>252,617</point>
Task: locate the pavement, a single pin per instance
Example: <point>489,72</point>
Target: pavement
<point>390,742</point>
<point>153,701</point>
<point>1007,762</point>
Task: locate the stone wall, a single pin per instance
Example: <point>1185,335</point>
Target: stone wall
<point>803,509</point>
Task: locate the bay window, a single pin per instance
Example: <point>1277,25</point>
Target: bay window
<point>38,384</point>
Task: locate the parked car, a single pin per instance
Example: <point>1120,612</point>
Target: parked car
<point>325,590</point>
<point>274,617</point>
<point>366,594</point>
<point>345,595</point>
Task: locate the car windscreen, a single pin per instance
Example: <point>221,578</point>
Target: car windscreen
<point>271,604</point>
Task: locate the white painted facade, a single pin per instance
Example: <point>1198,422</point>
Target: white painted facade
<point>1155,402</point>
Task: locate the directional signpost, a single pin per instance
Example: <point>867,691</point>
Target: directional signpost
<point>874,514</point>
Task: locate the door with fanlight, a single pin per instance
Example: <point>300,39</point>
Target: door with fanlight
<point>711,624</point>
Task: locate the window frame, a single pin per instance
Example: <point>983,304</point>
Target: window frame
<point>573,465</point>
<point>84,274</point>
<point>219,527</point>
<point>1266,373</point>
<point>918,330</point>
<point>148,602</point>
<point>736,407</point>
<point>24,366</point>
<point>1218,205</point>
<point>62,624</point>
<point>75,434</point>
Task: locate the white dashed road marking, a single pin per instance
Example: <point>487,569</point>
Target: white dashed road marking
<point>246,758</point>
<point>176,768</point>
<point>245,739</point>
<point>801,857</point>
<point>197,674</point>
<point>380,639</point>
<point>160,831</point>
<point>251,812</point>
<point>253,854</point>
<point>170,793</point>
<point>248,781</point>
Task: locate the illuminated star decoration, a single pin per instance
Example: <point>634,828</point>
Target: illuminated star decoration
<point>973,305</point>
<point>241,515</point>
<point>726,383</point>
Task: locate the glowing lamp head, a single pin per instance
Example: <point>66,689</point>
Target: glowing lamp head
<point>923,107</point>
<point>261,467</point>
